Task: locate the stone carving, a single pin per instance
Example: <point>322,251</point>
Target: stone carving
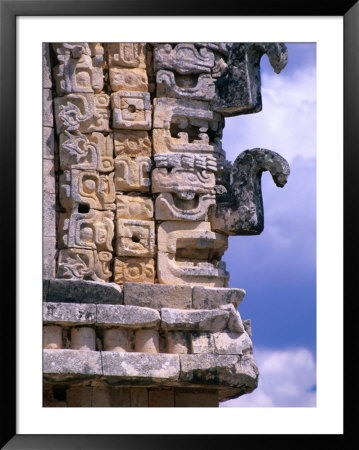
<point>132,174</point>
<point>127,54</point>
<point>134,206</point>
<point>134,270</point>
<point>132,143</point>
<point>87,187</point>
<point>94,229</point>
<point>169,206</point>
<point>82,112</point>
<point>183,58</point>
<point>135,237</point>
<point>131,110</point>
<point>128,80</point>
<point>240,210</point>
<point>186,87</point>
<point>86,152</point>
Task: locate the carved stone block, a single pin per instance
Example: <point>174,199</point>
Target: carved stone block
<point>135,238</point>
<point>127,54</point>
<point>93,230</point>
<point>131,110</point>
<point>128,80</point>
<point>169,206</point>
<point>134,206</point>
<point>82,112</point>
<point>183,58</point>
<point>79,264</point>
<point>136,270</point>
<point>86,187</point>
<point>131,174</point>
<point>86,151</point>
<point>190,87</point>
<point>132,143</point>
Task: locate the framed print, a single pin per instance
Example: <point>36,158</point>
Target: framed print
<point>171,224</point>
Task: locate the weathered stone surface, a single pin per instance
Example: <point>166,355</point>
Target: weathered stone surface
<point>183,58</point>
<point>83,338</point>
<point>115,339</point>
<point>48,176</point>
<point>128,79</point>
<point>83,291</point>
<point>134,270</point>
<point>212,298</point>
<point>235,321</point>
<point>48,214</point>
<point>169,206</point>
<point>92,151</point>
<point>147,341</point>
<point>157,296</point>
<point>79,396</point>
<point>47,108</point>
<point>132,174</point>
<point>127,54</point>
<point>194,320</point>
<point>132,143</point>
<point>87,187</point>
<point>79,264</point>
<point>222,343</point>
<point>73,313</point>
<point>158,398</point>
<point>240,211</point>
<point>52,337</point>
<point>92,230</point>
<point>141,367</point>
<point>131,110</point>
<point>134,206</point>
<point>46,66</point>
<point>248,327</point>
<point>82,112</point>
<point>192,398</point>
<point>127,316</point>
<point>177,342</point>
<point>49,253</point>
<point>64,364</point>
<point>139,397</point>
<point>48,145</point>
<point>224,370</point>
<point>135,238</point>
<point>190,87</point>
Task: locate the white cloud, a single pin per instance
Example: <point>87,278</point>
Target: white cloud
<point>287,122</point>
<point>286,379</point>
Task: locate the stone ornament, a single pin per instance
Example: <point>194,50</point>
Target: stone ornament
<point>131,110</point>
<point>132,174</point>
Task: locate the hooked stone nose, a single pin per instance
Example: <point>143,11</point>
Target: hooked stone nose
<point>238,90</point>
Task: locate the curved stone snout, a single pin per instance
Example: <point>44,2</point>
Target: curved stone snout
<point>240,210</point>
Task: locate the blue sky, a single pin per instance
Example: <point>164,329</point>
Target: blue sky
<point>278,268</point>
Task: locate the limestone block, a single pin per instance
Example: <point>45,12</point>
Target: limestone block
<point>190,87</point>
<point>52,337</point>
<point>235,321</point>
<point>232,343</point>
<point>201,343</point>
<point>176,342</point>
<point>92,230</point>
<point>79,74</point>
<point>47,108</point>
<point>86,187</point>
<point>72,49</point>
<point>193,398</point>
<point>220,370</point>
<point>194,320</point>
<point>83,291</point>
<point>131,174</point>
<point>158,398</point>
<point>127,316</point>
<point>128,80</point>
<point>83,338</point>
<point>65,364</point>
<point>131,110</point>
<point>115,340</point>
<point>48,144</point>
<point>139,397</point>
<point>46,66</point>
<point>183,58</point>
<point>76,263</point>
<point>86,152</point>
<point>193,240</point>
<point>48,176</point>
<point>136,270</point>
<point>212,298</point>
<point>48,214</point>
<point>169,206</point>
<point>82,112</point>
<point>141,368</point>
<point>248,327</point>
<point>69,313</point>
<point>135,238</point>
<point>194,273</point>
<point>127,54</point>
<point>147,341</point>
<point>49,253</point>
<point>134,206</point>
<point>79,396</point>
<point>132,143</point>
<point>157,296</point>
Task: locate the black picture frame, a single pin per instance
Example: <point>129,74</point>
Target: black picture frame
<point>9,10</point>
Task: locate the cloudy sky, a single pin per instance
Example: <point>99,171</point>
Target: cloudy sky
<point>278,268</point>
